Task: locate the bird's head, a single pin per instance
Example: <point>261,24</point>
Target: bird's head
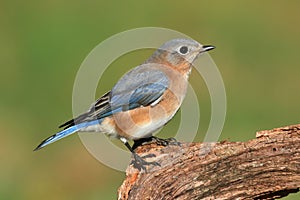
<point>179,53</point>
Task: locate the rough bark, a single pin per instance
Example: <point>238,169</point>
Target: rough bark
<point>267,167</point>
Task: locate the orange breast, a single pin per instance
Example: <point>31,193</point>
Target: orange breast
<point>143,121</point>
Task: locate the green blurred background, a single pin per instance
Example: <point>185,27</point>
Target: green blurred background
<point>43,44</point>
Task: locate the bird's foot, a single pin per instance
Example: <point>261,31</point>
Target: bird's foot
<point>165,142</point>
<point>156,140</point>
<point>139,163</point>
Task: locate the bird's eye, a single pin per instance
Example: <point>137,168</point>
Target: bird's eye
<point>183,50</point>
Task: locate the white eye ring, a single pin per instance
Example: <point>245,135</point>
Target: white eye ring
<point>183,50</point>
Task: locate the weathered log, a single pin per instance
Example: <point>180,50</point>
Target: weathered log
<point>267,167</point>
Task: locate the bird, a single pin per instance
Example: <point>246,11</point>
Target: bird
<point>143,100</point>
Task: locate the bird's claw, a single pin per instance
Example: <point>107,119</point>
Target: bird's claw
<point>156,140</point>
<point>139,163</point>
<point>165,142</point>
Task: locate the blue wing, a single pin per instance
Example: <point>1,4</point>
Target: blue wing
<point>142,96</point>
<point>139,87</point>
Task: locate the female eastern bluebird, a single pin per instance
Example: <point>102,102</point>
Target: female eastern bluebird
<point>143,100</point>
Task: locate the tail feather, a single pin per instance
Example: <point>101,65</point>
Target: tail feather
<point>65,133</point>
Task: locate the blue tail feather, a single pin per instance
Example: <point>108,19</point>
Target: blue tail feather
<point>65,133</point>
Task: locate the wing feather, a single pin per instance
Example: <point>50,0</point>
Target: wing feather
<point>139,87</point>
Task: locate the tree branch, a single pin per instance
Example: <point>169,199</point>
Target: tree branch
<point>267,167</point>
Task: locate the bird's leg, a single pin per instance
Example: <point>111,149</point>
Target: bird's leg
<point>156,140</point>
<point>138,162</point>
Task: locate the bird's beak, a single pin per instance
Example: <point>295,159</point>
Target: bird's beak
<point>207,48</point>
